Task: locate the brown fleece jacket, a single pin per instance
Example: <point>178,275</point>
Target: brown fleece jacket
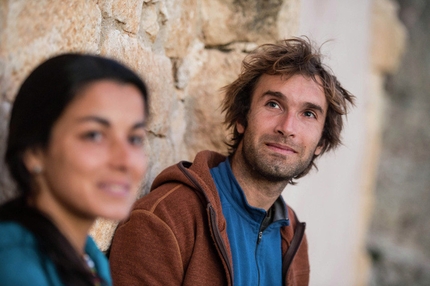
<point>177,235</point>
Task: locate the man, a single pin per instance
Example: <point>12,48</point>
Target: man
<point>222,220</point>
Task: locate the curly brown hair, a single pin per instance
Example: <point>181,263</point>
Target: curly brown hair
<point>295,56</point>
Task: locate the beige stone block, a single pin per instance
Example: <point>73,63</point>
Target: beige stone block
<point>388,36</point>
<point>183,26</point>
<point>225,21</point>
<point>128,13</point>
<point>288,19</point>
<point>191,64</point>
<point>179,132</point>
<point>36,30</point>
<point>149,22</point>
<point>218,23</point>
<point>155,69</point>
<point>125,13</point>
<point>161,155</point>
<point>106,8</point>
<point>102,231</point>
<point>205,128</point>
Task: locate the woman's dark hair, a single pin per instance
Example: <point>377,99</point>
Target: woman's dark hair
<point>296,56</point>
<point>41,100</point>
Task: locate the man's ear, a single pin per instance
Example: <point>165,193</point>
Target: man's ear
<point>318,150</point>
<point>320,146</point>
<point>33,160</point>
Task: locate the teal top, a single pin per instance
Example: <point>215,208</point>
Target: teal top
<point>21,262</point>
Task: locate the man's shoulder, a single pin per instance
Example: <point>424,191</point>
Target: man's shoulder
<point>169,194</point>
<point>192,176</point>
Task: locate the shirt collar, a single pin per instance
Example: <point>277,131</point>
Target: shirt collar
<point>237,198</point>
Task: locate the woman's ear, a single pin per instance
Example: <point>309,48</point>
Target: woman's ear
<point>33,160</point>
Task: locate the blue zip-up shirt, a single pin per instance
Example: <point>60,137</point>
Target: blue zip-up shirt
<point>257,253</point>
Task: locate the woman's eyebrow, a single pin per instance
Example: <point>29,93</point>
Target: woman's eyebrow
<point>97,119</point>
<point>105,122</point>
<point>138,125</point>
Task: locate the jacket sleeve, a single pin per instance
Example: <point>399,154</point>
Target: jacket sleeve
<point>145,251</point>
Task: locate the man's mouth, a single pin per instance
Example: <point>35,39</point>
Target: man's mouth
<point>281,148</point>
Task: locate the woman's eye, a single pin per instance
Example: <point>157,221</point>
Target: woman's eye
<point>95,136</point>
<point>136,140</point>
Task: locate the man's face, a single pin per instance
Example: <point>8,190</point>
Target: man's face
<point>285,124</point>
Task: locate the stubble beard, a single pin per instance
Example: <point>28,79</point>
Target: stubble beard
<point>273,167</point>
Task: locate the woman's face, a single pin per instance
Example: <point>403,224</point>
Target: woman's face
<point>95,160</point>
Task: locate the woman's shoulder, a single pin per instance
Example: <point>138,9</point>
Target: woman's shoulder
<point>22,262</point>
<point>14,234</point>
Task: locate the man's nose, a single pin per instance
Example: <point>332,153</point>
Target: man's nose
<point>287,124</point>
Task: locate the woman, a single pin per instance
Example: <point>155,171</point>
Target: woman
<point>75,151</point>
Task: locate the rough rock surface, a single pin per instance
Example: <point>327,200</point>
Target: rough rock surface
<point>178,47</point>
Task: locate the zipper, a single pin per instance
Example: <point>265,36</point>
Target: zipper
<point>219,241</point>
<point>212,217</point>
<point>260,235</point>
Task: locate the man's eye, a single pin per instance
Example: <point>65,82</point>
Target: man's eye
<point>309,114</point>
<point>273,104</point>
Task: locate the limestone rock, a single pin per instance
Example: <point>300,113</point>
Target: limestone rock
<point>388,37</point>
<point>35,30</point>
<point>102,232</point>
<point>154,69</point>
<point>204,124</point>
<point>183,24</point>
<point>257,21</point>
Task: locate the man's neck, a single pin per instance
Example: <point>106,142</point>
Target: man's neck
<point>259,191</point>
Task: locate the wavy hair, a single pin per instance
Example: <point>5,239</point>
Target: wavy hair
<point>295,56</point>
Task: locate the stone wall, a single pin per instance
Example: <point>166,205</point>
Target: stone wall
<point>399,236</point>
<point>186,50</point>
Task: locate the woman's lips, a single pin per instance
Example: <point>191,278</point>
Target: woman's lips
<point>115,188</point>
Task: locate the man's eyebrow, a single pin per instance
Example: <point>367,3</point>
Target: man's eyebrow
<point>315,107</point>
<point>308,105</point>
<point>277,94</point>
<point>105,122</point>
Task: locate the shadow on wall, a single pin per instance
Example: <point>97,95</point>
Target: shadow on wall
<point>7,187</point>
<point>399,237</point>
